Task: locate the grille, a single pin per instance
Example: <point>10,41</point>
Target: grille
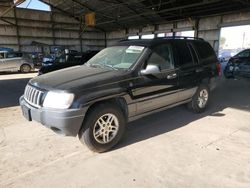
<point>33,96</point>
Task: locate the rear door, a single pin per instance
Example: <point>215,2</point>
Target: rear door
<point>186,69</point>
<point>153,92</point>
<point>207,67</point>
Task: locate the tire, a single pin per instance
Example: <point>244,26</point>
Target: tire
<point>200,100</point>
<point>100,142</point>
<point>25,68</point>
<point>227,75</point>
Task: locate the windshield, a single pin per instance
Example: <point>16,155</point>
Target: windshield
<point>116,57</point>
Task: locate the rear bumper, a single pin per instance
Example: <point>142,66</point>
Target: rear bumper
<point>65,122</point>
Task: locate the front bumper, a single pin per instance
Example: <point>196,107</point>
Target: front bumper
<point>65,122</point>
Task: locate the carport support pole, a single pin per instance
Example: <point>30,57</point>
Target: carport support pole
<point>105,38</point>
<point>196,27</point>
<point>80,33</point>
<point>52,26</point>
<point>17,30</point>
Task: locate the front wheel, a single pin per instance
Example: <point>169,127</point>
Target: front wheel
<point>200,99</point>
<point>103,128</point>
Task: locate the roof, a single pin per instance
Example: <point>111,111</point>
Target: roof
<point>152,42</point>
<point>121,14</point>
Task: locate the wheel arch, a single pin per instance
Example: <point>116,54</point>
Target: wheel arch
<point>119,101</point>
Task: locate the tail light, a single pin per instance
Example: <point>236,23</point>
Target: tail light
<point>218,67</point>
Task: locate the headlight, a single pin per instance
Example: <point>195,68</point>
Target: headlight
<point>58,100</point>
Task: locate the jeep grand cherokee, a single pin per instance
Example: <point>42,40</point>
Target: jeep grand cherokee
<point>122,83</point>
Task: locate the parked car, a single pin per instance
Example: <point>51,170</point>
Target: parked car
<point>226,54</point>
<point>14,61</point>
<point>120,84</point>
<point>48,60</point>
<point>238,66</point>
<point>68,60</point>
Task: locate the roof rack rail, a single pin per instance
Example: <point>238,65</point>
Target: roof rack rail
<point>158,38</point>
<point>181,37</point>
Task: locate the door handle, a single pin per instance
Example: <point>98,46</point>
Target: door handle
<point>172,76</point>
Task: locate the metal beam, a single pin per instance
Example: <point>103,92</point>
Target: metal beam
<point>17,30</point>
<point>135,11</point>
<point>164,10</point>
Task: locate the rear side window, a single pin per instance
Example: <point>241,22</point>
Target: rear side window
<point>184,54</point>
<point>205,51</point>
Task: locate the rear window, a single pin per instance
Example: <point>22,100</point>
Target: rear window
<point>205,51</point>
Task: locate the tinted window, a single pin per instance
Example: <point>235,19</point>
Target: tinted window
<point>13,55</point>
<point>194,54</point>
<point>205,51</point>
<point>161,56</point>
<point>1,55</point>
<point>184,54</point>
<point>245,53</point>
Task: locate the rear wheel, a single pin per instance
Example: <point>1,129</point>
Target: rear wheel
<point>200,99</point>
<point>103,128</point>
<point>25,68</point>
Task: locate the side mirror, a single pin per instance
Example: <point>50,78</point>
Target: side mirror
<point>151,69</point>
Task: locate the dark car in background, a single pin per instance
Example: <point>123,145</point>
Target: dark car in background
<point>238,66</point>
<point>226,54</point>
<point>67,60</point>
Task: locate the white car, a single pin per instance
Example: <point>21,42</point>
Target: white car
<point>14,61</point>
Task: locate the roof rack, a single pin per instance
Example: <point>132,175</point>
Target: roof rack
<point>180,37</point>
<point>173,37</point>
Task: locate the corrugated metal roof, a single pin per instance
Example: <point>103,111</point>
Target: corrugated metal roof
<point>120,14</point>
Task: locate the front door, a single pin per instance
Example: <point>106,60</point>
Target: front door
<point>158,90</point>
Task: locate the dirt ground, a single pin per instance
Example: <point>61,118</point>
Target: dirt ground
<point>173,148</point>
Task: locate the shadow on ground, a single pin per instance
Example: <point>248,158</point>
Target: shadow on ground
<point>229,94</point>
<point>11,90</point>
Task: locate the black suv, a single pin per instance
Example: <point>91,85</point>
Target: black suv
<point>238,66</point>
<point>122,83</point>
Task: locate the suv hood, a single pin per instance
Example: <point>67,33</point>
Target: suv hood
<point>77,77</point>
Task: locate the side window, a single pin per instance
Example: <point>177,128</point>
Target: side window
<point>184,54</point>
<point>161,56</point>
<point>194,54</point>
<point>244,54</point>
<point>1,55</point>
<point>11,55</point>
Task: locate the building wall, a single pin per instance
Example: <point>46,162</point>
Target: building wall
<point>207,28</point>
<point>47,28</point>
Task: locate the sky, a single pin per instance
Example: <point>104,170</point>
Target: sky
<point>236,37</point>
<point>34,4</point>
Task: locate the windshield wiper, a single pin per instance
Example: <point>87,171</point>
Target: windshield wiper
<point>110,66</point>
<point>102,66</point>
